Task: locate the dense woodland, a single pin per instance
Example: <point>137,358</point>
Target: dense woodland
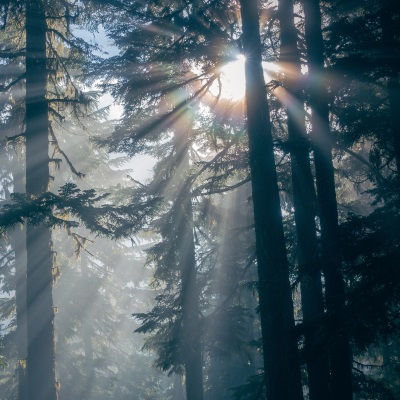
<point>165,238</point>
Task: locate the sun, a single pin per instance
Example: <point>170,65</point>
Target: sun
<point>232,83</point>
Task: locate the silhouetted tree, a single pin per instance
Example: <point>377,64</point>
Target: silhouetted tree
<point>304,200</point>
<point>339,352</point>
<point>281,362</point>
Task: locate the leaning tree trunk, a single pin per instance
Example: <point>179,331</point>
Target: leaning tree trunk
<point>304,199</point>
<point>281,362</point>
<point>192,350</point>
<point>391,60</point>
<point>339,349</point>
<point>40,313</point>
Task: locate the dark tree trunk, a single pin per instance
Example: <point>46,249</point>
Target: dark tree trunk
<point>391,55</point>
<point>192,350</point>
<point>19,243</point>
<point>281,362</point>
<point>339,351</point>
<point>40,313</point>
<point>304,199</point>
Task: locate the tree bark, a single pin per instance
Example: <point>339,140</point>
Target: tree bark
<point>281,362</point>
<point>304,199</point>
<point>19,243</point>
<point>192,350</point>
<point>40,313</point>
<point>177,391</point>
<point>339,350</point>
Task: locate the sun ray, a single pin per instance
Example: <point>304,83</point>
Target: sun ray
<point>231,84</point>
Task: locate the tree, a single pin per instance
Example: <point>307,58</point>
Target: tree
<point>44,42</point>
<point>186,259</point>
<point>339,352</point>
<point>40,313</point>
<point>177,339</point>
<point>304,200</point>
<point>12,112</point>
<point>181,297</point>
<point>388,13</point>
<point>200,253</point>
<point>281,363</point>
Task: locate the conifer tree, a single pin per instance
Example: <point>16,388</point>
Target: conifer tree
<point>390,13</point>
<point>40,313</point>
<point>44,41</point>
<point>304,200</point>
<point>339,352</point>
<point>281,361</point>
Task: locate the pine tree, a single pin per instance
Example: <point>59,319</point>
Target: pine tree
<point>389,13</point>
<point>40,313</point>
<point>44,44</point>
<point>281,362</point>
<point>340,352</point>
<point>304,200</point>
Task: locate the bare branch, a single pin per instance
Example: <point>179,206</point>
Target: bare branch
<point>12,54</point>
<point>5,88</point>
<point>224,189</point>
<point>379,177</point>
<point>15,137</point>
<point>66,100</point>
<point>64,39</point>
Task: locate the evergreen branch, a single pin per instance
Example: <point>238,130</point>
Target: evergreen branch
<point>170,117</point>
<point>11,55</point>
<point>209,164</point>
<point>65,100</point>
<point>55,17</point>
<point>379,177</point>
<point>57,114</point>
<point>80,242</point>
<point>5,88</point>
<point>234,289</point>
<point>223,189</point>
<point>6,256</point>
<point>59,150</point>
<point>68,17</point>
<point>15,137</point>
<point>186,82</point>
<point>54,210</point>
<point>64,39</point>
<point>3,365</point>
<point>64,67</point>
<point>369,366</point>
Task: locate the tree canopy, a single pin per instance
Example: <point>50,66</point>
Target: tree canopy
<point>164,235</point>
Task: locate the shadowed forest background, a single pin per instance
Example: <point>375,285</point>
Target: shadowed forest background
<point>199,200</point>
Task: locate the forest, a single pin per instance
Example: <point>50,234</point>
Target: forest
<point>199,200</point>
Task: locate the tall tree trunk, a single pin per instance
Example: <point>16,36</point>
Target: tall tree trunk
<point>391,61</point>
<point>19,243</point>
<point>281,362</point>
<point>339,351</point>
<point>87,332</point>
<point>40,313</point>
<point>177,391</point>
<point>304,199</point>
<point>192,350</point>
